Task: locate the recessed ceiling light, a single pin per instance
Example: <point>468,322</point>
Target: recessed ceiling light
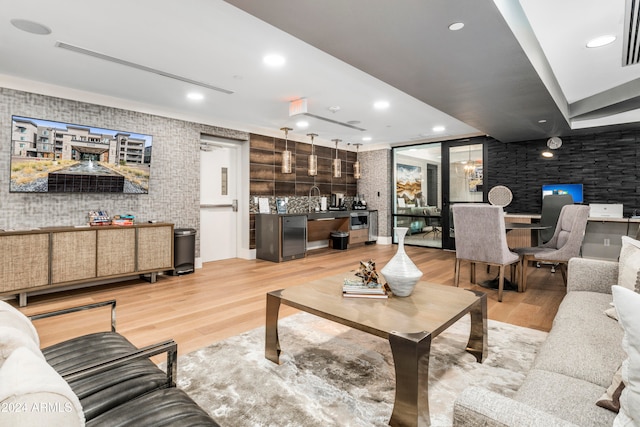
<point>334,108</point>
<point>274,60</point>
<point>195,96</point>
<point>438,128</point>
<point>366,138</point>
<point>542,121</point>
<point>456,26</point>
<point>302,124</point>
<point>601,41</point>
<point>31,27</point>
<point>381,105</point>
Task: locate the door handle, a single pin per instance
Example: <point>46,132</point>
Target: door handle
<point>233,206</point>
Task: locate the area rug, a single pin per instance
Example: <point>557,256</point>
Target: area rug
<point>332,375</point>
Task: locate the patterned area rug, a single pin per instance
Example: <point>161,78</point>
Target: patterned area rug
<point>332,375</point>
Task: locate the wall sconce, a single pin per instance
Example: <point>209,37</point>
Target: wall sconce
<point>313,159</point>
<point>356,165</point>
<point>337,163</point>
<point>286,154</point>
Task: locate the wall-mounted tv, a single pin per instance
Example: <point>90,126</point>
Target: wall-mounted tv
<point>574,189</point>
<point>56,157</point>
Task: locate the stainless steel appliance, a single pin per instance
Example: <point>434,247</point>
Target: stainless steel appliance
<point>294,236</point>
<point>358,220</point>
<point>281,237</point>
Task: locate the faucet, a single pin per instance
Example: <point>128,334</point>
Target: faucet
<point>311,191</point>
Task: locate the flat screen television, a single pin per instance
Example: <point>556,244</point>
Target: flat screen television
<point>574,189</point>
<point>56,157</point>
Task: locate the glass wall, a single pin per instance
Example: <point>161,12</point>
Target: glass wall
<point>428,179</point>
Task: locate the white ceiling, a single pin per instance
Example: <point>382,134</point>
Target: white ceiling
<point>440,78</point>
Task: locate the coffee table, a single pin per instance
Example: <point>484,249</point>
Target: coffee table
<point>409,323</point>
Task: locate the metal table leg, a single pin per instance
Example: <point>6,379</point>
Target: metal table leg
<point>411,360</point>
<point>271,342</point>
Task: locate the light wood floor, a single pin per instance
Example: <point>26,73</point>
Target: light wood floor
<point>225,298</point>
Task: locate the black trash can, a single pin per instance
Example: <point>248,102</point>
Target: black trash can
<point>340,239</point>
<point>184,250</point>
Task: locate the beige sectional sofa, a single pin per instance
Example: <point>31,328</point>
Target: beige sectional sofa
<point>574,366</point>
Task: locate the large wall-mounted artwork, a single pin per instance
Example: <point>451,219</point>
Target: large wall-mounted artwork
<point>56,157</point>
<point>408,182</point>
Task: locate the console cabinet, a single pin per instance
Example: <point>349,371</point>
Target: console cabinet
<point>47,259</point>
<point>24,262</point>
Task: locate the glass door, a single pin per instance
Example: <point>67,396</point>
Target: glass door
<point>465,181</point>
<point>417,177</point>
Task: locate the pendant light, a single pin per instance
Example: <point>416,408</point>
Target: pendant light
<point>286,154</point>
<point>356,165</point>
<point>337,163</point>
<point>313,159</point>
<point>470,166</point>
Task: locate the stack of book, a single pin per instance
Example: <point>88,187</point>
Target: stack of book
<point>355,288</point>
<point>99,218</point>
<point>123,220</point>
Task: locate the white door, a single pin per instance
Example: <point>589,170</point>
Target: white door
<point>218,200</point>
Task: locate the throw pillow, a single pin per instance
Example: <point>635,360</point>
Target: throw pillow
<point>34,394</point>
<point>628,305</point>
<point>12,317</point>
<point>629,263</point>
<point>611,398</point>
<point>12,338</point>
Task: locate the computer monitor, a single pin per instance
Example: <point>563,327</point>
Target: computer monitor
<point>574,189</point>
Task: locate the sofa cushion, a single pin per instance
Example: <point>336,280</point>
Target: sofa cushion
<point>628,306</point>
<point>583,343</point>
<point>565,397</point>
<point>629,264</point>
<point>33,394</point>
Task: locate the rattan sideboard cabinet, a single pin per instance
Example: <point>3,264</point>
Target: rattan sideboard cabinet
<point>49,259</point>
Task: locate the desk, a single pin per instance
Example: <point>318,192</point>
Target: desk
<point>532,227</point>
<point>601,239</point>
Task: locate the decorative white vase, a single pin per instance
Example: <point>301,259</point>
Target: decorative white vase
<point>400,272</point>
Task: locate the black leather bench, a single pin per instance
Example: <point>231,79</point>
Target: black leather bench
<point>116,382</point>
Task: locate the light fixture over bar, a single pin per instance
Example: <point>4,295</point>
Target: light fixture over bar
<point>356,165</point>
<point>313,159</point>
<point>286,154</point>
<point>337,163</point>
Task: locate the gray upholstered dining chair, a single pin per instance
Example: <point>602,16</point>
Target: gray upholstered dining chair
<point>481,238</point>
<point>564,245</point>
